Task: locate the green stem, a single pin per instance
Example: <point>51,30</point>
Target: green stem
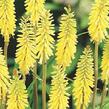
<point>1,105</point>
<point>108,89</point>
<point>35,87</point>
<point>44,68</point>
<point>35,78</point>
<point>6,58</point>
<point>103,95</point>
<point>6,50</point>
<point>96,75</point>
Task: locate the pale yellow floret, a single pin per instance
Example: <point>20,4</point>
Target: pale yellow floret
<point>7,19</point>
<point>105,62</point>
<point>58,93</point>
<point>99,20</point>
<point>26,52</point>
<point>67,39</point>
<point>45,33</point>
<point>34,8</point>
<point>84,80</point>
<point>17,97</point>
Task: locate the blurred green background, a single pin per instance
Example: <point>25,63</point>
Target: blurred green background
<point>81,9</point>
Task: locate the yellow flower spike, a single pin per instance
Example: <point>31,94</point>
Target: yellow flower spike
<point>17,97</point>
<point>67,39</point>
<point>58,93</point>
<point>34,8</point>
<point>44,40</point>
<point>26,52</point>
<point>84,80</point>
<point>99,20</point>
<point>7,19</point>
<point>4,75</point>
<point>105,62</point>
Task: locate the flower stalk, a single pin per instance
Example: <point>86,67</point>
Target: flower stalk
<point>6,58</point>
<point>6,50</point>
<point>96,75</point>
<point>44,68</point>
<point>35,87</point>
<point>103,95</point>
<point>1,99</point>
<point>45,45</point>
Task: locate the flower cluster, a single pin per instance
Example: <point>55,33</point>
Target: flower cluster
<point>7,19</point>
<point>105,62</point>
<point>59,87</point>
<point>99,20</point>
<point>84,80</point>
<point>45,33</point>
<point>67,39</point>
<point>26,52</point>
